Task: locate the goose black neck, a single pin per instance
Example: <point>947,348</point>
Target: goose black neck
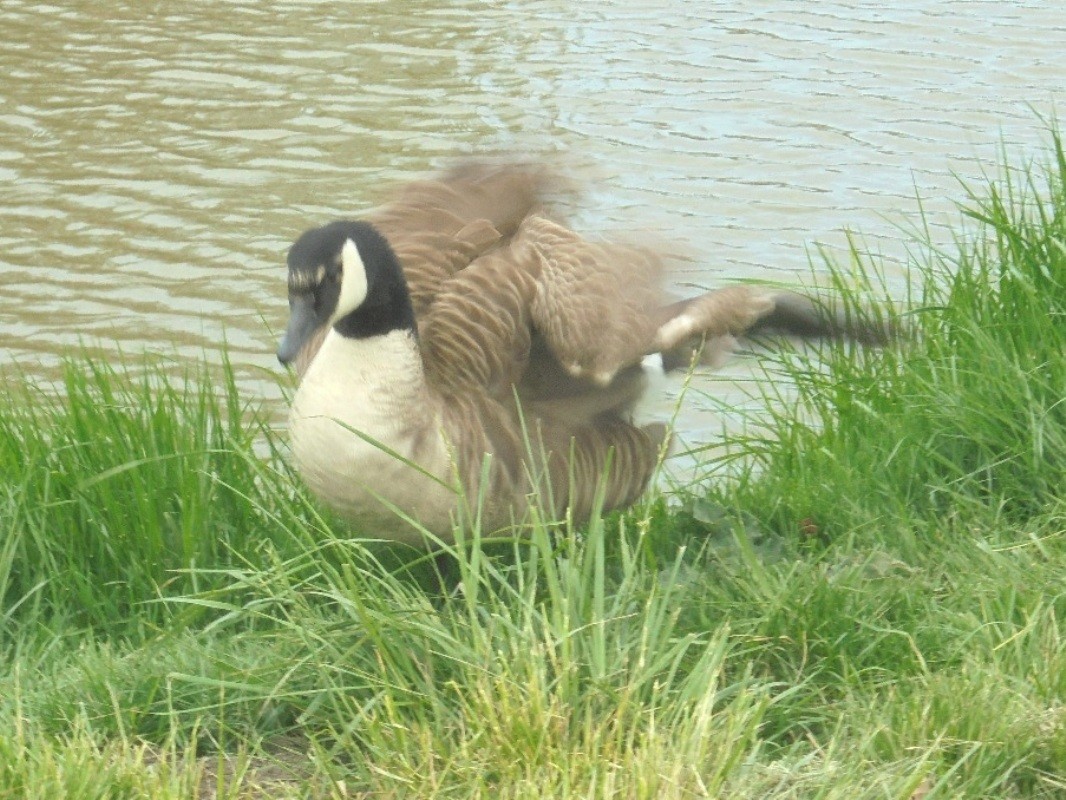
<point>387,306</point>
<point>377,319</point>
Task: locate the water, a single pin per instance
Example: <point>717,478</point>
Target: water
<point>156,164</point>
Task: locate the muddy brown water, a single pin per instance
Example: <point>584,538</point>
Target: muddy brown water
<point>156,159</point>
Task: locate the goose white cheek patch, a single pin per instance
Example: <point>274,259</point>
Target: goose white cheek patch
<point>353,282</point>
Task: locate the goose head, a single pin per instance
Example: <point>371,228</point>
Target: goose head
<point>344,275</point>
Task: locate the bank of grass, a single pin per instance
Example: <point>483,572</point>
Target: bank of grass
<point>871,607</point>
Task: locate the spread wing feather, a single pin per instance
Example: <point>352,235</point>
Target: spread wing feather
<point>595,303</point>
<point>559,319</point>
<point>438,227</point>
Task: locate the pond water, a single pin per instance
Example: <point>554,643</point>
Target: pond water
<point>158,158</point>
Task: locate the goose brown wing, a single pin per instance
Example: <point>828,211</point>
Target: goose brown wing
<point>574,450</point>
<point>587,308</point>
<point>595,304</point>
<point>510,320</point>
<point>476,335</point>
<point>711,320</point>
<point>438,227</point>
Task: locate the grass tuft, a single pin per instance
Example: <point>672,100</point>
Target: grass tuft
<point>119,483</point>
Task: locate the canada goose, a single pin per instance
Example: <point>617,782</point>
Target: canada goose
<point>459,321</point>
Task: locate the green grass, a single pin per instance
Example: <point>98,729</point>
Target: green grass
<point>871,606</point>
<point>120,482</point>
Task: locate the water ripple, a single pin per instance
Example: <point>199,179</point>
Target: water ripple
<point>157,163</point>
